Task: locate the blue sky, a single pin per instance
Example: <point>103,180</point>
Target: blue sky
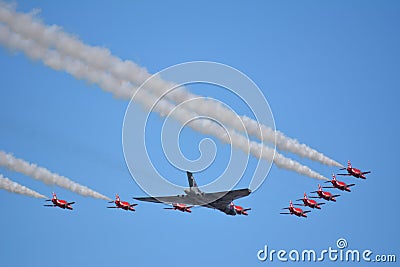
<point>329,71</point>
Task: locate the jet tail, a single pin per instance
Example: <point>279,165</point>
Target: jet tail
<point>192,184</point>
<point>192,181</point>
<point>348,166</point>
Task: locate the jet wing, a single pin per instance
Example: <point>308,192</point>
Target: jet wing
<point>223,199</point>
<point>184,199</point>
<point>228,196</point>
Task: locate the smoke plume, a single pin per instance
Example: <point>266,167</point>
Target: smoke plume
<point>42,174</point>
<point>14,187</point>
<point>53,37</point>
<point>109,73</point>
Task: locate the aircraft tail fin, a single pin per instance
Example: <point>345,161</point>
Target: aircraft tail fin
<point>192,181</point>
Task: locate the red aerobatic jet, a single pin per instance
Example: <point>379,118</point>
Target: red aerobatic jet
<point>309,202</point>
<point>239,209</point>
<point>325,195</point>
<point>338,184</point>
<point>295,211</point>
<point>122,204</point>
<point>180,206</point>
<point>353,172</point>
<point>59,203</point>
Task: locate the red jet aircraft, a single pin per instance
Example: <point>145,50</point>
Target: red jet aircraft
<point>122,204</point>
<point>338,184</point>
<point>353,172</point>
<point>309,202</point>
<point>180,206</point>
<point>295,211</point>
<point>239,209</point>
<point>325,195</point>
<point>59,203</point>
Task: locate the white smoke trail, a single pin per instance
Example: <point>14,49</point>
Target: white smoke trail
<point>14,187</point>
<point>39,173</point>
<point>100,58</point>
<point>286,143</point>
<point>109,83</point>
